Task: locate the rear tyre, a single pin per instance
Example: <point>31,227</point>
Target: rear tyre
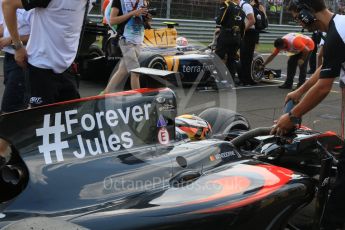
<point>223,120</point>
<point>90,63</point>
<point>94,51</point>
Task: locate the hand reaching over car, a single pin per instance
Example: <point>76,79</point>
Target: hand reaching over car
<point>283,126</point>
<point>294,96</point>
<point>287,122</point>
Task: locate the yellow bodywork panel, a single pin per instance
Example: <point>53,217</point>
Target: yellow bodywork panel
<point>162,37</point>
<point>172,63</point>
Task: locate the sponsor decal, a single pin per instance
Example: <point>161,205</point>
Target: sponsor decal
<point>166,107</point>
<point>161,122</point>
<point>163,136</point>
<point>160,100</point>
<point>55,125</point>
<point>224,155</point>
<point>36,100</point>
<point>197,68</point>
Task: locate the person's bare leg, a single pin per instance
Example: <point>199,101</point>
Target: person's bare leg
<point>116,79</point>
<point>135,80</point>
<point>5,152</point>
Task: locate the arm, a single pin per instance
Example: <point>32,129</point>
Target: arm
<point>305,53</point>
<point>115,19</point>
<point>270,58</point>
<point>250,22</point>
<point>9,8</point>
<point>263,9</point>
<point>6,41</point>
<point>248,9</point>
<point>314,96</point>
<point>320,57</point>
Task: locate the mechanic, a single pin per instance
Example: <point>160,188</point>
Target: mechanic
<point>231,23</point>
<point>247,45</point>
<point>51,49</point>
<point>14,78</point>
<point>300,46</point>
<point>314,15</point>
<point>129,15</point>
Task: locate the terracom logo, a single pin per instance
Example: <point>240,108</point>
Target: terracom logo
<point>54,127</point>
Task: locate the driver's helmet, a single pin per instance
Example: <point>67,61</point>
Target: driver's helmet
<point>195,127</point>
<point>181,42</point>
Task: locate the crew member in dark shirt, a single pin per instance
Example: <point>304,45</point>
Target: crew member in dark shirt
<point>313,15</point>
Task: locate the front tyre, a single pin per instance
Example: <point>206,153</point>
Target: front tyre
<point>223,121</point>
<point>257,73</point>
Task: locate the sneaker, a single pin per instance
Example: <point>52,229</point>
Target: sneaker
<point>285,86</point>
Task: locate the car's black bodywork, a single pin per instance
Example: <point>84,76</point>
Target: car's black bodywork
<point>112,162</point>
<point>195,63</point>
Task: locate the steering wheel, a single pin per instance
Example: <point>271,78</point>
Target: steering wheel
<point>262,131</point>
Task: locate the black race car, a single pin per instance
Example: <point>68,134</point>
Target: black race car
<point>117,161</point>
<point>162,49</point>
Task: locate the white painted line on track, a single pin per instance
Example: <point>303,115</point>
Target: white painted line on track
<point>273,81</point>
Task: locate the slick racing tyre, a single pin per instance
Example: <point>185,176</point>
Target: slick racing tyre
<point>223,120</point>
<point>94,52</point>
<point>154,61</point>
<point>90,63</point>
<point>257,73</point>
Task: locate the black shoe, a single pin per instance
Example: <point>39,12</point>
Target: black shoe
<point>285,86</point>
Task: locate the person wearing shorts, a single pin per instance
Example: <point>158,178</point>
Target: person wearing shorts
<point>129,16</point>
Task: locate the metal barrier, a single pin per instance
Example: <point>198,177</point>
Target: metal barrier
<point>202,31</point>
